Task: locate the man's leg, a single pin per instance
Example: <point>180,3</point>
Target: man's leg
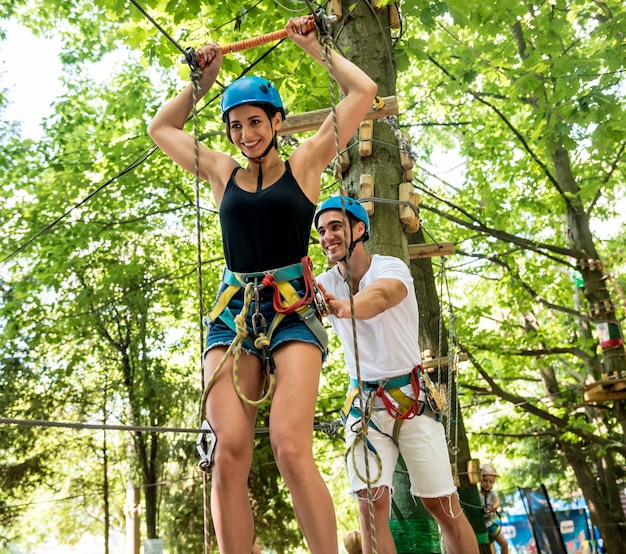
<point>457,531</point>
<point>504,546</point>
<point>381,507</point>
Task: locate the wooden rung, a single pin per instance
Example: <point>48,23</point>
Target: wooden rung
<point>430,365</point>
<point>308,121</point>
<point>430,250</point>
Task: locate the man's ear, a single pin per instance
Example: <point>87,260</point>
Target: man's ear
<point>360,226</point>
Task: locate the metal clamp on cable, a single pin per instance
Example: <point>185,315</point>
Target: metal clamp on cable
<point>323,22</point>
<point>191,59</point>
<point>205,445</point>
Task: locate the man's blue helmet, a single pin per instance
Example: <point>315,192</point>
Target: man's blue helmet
<point>250,89</point>
<point>352,207</point>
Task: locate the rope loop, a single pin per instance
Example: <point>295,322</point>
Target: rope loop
<point>361,437</point>
<point>262,341</point>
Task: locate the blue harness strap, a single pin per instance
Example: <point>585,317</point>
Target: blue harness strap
<point>390,387</point>
<point>287,273</point>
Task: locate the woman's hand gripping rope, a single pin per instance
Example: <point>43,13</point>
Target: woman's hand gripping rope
<point>204,58</point>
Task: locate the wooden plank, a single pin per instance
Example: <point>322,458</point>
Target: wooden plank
<point>431,364</point>
<point>603,395</point>
<point>430,250</point>
<point>308,121</point>
<point>605,390</point>
<point>605,383</point>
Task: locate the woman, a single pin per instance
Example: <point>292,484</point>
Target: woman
<point>266,209</point>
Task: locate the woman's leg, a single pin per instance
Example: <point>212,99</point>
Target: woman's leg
<point>233,424</point>
<point>298,367</point>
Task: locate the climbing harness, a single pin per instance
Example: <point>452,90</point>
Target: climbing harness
<point>285,301</point>
<point>398,405</point>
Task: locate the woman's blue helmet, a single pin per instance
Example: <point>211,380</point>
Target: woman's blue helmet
<point>352,207</point>
<point>250,90</point>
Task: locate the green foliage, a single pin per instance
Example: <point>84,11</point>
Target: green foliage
<point>99,298</point>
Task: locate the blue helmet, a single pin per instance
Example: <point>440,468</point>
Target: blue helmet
<point>248,90</point>
<point>352,207</point>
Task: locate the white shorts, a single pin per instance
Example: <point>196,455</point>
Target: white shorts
<point>422,443</point>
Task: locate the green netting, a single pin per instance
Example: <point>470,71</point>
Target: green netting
<point>415,536</point>
<point>413,529</point>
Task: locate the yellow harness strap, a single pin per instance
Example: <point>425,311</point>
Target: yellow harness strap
<point>404,403</point>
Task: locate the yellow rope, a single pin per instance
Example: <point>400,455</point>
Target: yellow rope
<point>235,349</point>
<point>361,435</point>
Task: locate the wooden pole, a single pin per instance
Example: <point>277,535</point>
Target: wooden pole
<point>131,511</point>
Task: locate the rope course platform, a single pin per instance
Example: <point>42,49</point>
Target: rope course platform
<point>309,121</point>
<point>611,388</point>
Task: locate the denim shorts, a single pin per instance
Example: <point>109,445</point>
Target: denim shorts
<point>290,328</point>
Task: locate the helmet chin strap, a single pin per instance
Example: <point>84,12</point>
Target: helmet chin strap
<point>352,246</point>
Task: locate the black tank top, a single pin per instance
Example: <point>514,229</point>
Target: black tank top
<point>267,229</point>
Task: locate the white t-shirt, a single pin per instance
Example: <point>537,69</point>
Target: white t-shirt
<point>387,343</point>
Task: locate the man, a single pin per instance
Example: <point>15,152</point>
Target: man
<point>401,420</point>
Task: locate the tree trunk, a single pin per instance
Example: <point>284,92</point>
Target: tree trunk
<point>601,493</point>
<point>601,306</point>
<point>433,336</point>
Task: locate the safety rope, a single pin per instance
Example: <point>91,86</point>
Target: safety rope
<point>196,74</point>
<point>451,400</point>
<point>362,433</point>
<point>235,348</point>
<point>359,428</point>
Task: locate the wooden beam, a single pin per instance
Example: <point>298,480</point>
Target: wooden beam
<point>430,250</point>
<point>308,121</point>
<point>431,364</point>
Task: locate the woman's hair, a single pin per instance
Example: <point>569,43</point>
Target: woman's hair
<point>352,542</point>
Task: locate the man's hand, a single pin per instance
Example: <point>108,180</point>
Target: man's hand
<point>338,308</point>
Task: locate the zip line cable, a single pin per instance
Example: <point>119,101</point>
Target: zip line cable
<point>328,427</point>
<point>139,160</point>
<point>161,30</point>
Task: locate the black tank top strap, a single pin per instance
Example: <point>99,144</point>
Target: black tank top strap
<point>232,175</point>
